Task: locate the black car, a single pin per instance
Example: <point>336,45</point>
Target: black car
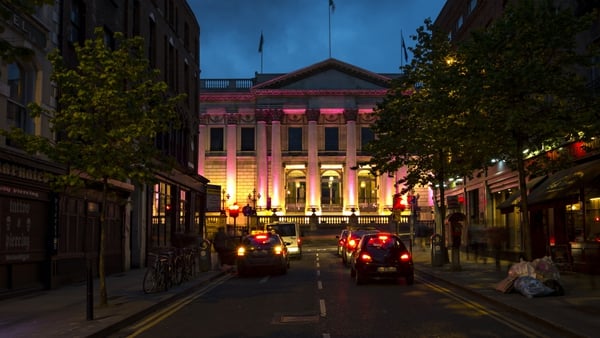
<point>262,251</point>
<point>352,241</point>
<point>341,239</point>
<point>381,256</point>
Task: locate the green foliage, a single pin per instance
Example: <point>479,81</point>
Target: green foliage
<point>422,123</point>
<point>525,79</point>
<point>111,108</point>
<point>515,85</point>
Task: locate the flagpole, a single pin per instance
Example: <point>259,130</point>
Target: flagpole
<point>330,9</point>
<point>329,12</point>
<point>260,50</point>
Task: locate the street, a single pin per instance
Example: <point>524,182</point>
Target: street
<point>317,298</point>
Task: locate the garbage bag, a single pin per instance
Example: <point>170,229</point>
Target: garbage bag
<point>531,287</point>
<point>545,269</point>
<point>523,268</point>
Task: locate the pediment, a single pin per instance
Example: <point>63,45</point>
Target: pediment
<point>330,74</point>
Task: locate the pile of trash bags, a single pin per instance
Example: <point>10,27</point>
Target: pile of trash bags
<point>533,279</point>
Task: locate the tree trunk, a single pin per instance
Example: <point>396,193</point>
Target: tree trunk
<point>101,269</point>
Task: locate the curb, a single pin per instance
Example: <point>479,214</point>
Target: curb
<point>563,331</point>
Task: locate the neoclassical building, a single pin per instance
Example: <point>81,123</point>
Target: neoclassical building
<point>295,142</point>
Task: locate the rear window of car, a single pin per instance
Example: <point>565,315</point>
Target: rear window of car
<point>383,242</point>
<point>284,229</point>
<point>360,233</point>
<point>262,240</point>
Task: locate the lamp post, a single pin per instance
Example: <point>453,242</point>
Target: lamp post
<point>225,197</point>
<point>253,197</point>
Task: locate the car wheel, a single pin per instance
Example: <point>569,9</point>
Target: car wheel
<point>358,278</point>
<point>241,271</point>
<point>410,280</point>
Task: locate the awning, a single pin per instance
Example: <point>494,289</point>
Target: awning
<point>515,197</point>
<point>566,182</point>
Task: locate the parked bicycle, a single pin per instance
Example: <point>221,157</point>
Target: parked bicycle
<point>164,270</point>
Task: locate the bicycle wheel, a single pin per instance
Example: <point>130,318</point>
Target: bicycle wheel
<point>151,282</point>
<point>167,273</point>
<point>178,270</point>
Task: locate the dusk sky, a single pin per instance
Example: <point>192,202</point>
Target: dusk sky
<point>364,33</point>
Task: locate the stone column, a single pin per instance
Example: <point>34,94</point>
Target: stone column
<point>262,164</point>
<point>231,147</point>
<point>313,189</point>
<point>278,188</point>
<point>350,179</point>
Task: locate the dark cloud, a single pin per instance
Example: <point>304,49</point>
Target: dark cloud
<point>365,33</point>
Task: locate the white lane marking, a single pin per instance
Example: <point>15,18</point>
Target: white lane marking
<point>322,307</point>
<point>320,285</point>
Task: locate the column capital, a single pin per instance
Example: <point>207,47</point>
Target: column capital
<point>313,114</point>
<point>232,118</point>
<point>277,114</point>
<point>262,115</point>
<point>351,114</point>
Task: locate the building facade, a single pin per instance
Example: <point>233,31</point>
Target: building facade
<point>564,209</point>
<point>45,236</point>
<point>28,207</point>
<point>293,144</point>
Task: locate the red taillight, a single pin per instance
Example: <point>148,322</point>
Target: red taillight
<point>405,257</point>
<point>365,257</point>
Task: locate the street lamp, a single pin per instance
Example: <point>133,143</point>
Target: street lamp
<point>234,211</point>
<point>225,197</point>
<point>254,197</point>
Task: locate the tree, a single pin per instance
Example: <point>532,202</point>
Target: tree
<point>422,123</point>
<point>8,8</point>
<point>525,83</point>
<point>111,108</point>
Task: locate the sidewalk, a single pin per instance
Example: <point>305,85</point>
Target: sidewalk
<point>62,312</point>
<point>574,314</point>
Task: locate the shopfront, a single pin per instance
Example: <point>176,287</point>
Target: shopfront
<point>565,212</point>
<point>28,222</point>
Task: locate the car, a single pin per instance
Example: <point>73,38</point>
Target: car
<point>381,256</point>
<point>261,251</point>
<point>354,236</point>
<point>291,235</point>
<point>341,241</point>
